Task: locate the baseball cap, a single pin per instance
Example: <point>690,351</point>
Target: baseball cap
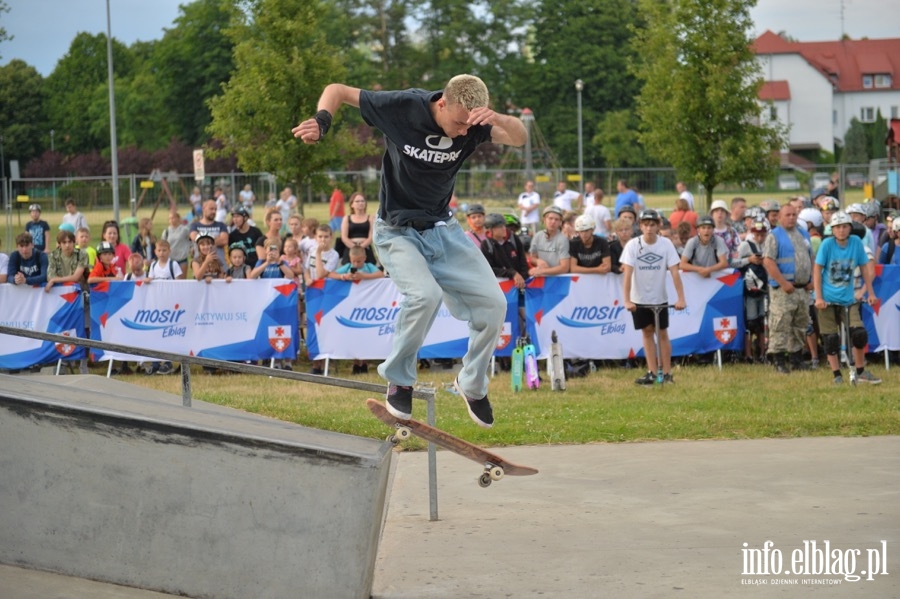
<point>705,221</point>
<point>649,214</point>
<point>718,204</point>
<point>584,223</point>
<point>474,209</point>
<point>552,209</point>
<point>105,247</point>
<point>34,207</point>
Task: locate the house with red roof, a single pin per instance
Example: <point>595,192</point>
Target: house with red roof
<point>815,88</point>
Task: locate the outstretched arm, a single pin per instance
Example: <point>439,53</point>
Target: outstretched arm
<point>333,96</point>
<point>505,129</point>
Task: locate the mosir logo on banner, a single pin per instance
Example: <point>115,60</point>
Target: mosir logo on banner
<point>367,317</point>
<point>603,317</point>
<point>166,320</point>
<point>814,563</point>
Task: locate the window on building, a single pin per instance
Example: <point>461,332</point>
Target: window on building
<point>773,113</point>
<point>834,118</point>
<point>867,82</point>
<point>895,112</point>
<point>867,114</point>
<point>883,81</point>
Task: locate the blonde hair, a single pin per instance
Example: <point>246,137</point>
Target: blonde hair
<point>468,90</point>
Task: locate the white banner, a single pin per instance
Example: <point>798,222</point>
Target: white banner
<point>241,320</point>
<point>59,311</point>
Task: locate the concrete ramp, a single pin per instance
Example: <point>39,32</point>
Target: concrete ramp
<point>104,480</point>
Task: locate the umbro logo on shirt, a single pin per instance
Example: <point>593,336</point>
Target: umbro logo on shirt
<point>650,261</point>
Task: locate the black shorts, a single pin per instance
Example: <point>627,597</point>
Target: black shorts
<point>643,317</point>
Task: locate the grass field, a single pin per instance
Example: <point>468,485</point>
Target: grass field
<point>738,402</point>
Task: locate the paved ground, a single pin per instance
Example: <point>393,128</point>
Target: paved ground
<point>640,520</point>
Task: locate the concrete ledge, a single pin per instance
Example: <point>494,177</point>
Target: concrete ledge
<point>107,481</point>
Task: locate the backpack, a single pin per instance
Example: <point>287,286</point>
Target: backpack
<point>755,277</point>
<point>714,249</point>
<point>171,267</point>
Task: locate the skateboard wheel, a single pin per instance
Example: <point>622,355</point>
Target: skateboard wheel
<point>403,433</point>
<point>392,439</point>
<point>495,472</point>
<point>484,480</point>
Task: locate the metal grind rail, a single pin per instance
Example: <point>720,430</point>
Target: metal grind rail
<point>424,394</point>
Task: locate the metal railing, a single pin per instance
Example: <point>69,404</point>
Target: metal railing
<point>186,387</point>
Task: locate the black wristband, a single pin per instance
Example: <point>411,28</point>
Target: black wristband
<point>323,119</point>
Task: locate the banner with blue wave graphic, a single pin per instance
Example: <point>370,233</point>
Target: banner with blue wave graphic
<point>357,320</point>
<point>59,311</point>
<point>882,322</point>
<point>588,313</point>
<point>240,320</point>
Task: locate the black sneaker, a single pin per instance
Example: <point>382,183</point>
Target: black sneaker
<point>399,401</point>
<point>647,379</point>
<point>668,379</point>
<point>479,409</point>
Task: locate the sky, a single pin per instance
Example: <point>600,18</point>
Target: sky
<point>44,29</point>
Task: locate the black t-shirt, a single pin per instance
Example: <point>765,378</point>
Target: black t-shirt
<point>420,162</point>
<point>592,257</point>
<point>248,242</point>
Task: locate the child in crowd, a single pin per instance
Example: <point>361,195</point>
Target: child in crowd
<point>83,242</point>
<point>323,260</point>
<point>178,234</point>
<point>112,235</point>
<point>66,264</point>
<point>292,257</point>
<point>39,229</point>
<point>272,266</point>
<point>357,269</point>
<point>73,216</point>
<point>145,242</point>
<point>206,265</point>
<point>307,238</point>
<point>135,268</point>
<point>105,267</point>
<point>239,268</point>
<point>164,267</point>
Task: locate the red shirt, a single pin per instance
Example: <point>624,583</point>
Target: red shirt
<point>336,205</point>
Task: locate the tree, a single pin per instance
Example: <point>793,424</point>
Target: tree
<point>191,63</point>
<point>617,138</point>
<point>570,40</point>
<point>79,80</point>
<point>698,105</point>
<point>3,35</point>
<point>282,63</point>
<point>23,120</point>
<point>856,146</point>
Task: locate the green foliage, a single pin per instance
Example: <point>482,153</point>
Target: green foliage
<point>877,133</point>
<point>282,64</point>
<point>4,36</point>
<point>698,105</point>
<point>191,63</point>
<point>617,138</point>
<point>78,88</point>
<point>23,119</point>
<point>577,39</point>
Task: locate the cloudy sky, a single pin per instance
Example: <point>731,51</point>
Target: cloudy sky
<point>44,29</point>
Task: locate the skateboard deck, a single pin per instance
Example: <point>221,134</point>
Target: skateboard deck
<point>495,467</point>
<point>517,370</point>
<point>556,370</point>
<point>532,376</point>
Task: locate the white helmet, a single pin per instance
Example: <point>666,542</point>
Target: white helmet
<point>811,216</point>
<point>840,218</point>
<point>584,223</point>
<point>856,209</point>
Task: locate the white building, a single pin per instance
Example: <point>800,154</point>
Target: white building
<point>815,88</point>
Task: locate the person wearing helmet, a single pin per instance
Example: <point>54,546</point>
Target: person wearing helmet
<point>787,257</point>
<point>549,249</point>
<point>704,253</point>
<point>858,214</point>
<point>589,251</point>
<point>244,233</point>
<point>838,257</point>
<point>890,254</point>
<point>770,209</point>
<point>750,263</point>
<point>645,261</point>
<point>475,220</point>
<point>503,253</point>
<point>105,267</point>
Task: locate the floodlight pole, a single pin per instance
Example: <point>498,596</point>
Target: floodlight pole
<point>579,85</point>
<point>112,117</point>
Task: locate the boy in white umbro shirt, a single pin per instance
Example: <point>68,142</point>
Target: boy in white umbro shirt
<point>645,261</point>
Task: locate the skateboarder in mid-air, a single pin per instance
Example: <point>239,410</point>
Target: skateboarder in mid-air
<point>428,135</point>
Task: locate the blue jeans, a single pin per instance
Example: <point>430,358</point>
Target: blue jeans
<point>428,267</point>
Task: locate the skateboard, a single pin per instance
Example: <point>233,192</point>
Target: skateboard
<point>517,370</point>
<point>495,467</point>
<point>556,370</point>
<point>532,376</point>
